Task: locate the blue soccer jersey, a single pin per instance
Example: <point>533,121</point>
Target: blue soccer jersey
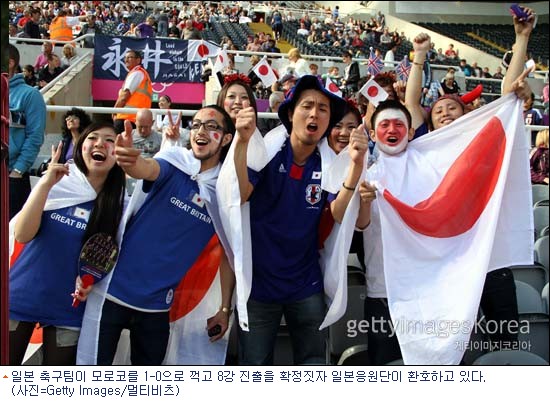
<point>42,278</point>
<point>285,210</point>
<point>161,242</point>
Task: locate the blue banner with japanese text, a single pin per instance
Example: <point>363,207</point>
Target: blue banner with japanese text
<point>166,60</point>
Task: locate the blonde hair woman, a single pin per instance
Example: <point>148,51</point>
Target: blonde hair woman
<point>298,65</point>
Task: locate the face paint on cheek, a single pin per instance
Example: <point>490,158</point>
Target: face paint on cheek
<point>85,148</point>
<point>215,136</point>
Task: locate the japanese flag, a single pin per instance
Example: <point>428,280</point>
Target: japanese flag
<point>454,206</point>
<point>222,61</point>
<point>332,87</point>
<point>374,92</point>
<point>265,73</point>
<point>199,50</point>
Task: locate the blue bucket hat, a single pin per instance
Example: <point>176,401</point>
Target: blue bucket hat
<point>311,82</point>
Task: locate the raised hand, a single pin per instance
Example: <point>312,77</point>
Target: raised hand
<point>172,131</point>
<point>525,27</point>
<point>55,170</point>
<point>421,43</point>
<point>520,86</point>
<point>125,153</point>
<point>245,123</point>
<point>358,145</point>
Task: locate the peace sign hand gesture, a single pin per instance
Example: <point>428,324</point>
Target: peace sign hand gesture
<point>55,170</point>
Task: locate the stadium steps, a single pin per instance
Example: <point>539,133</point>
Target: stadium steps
<point>486,41</point>
<point>283,45</point>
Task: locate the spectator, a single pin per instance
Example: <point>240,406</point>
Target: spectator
<point>50,71</point>
<point>287,278</point>
<point>531,116</point>
<point>136,92</point>
<point>449,85</point>
<point>146,29</point>
<point>42,59</point>
<point>451,53</point>
<point>189,31</point>
<point>351,76</point>
<point>498,74</point>
<point>540,162</point>
<point>298,64</point>
<point>31,28</point>
<point>275,100</point>
<point>123,26</point>
<point>175,180</point>
<point>465,68</point>
<point>146,139</point>
<point>27,125</point>
<point>75,121</point>
<point>90,28</point>
<point>69,56</point>
<point>30,77</point>
<point>88,195</point>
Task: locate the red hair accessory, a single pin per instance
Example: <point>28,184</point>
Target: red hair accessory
<point>350,101</point>
<point>236,77</point>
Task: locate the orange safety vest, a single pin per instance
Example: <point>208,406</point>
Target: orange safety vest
<point>60,31</point>
<point>142,98</point>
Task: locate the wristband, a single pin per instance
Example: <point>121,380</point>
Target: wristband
<point>348,188</point>
<point>226,310</point>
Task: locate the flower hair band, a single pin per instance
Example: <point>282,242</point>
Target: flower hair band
<point>236,77</point>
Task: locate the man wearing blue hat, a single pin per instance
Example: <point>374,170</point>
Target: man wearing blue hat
<point>286,203</point>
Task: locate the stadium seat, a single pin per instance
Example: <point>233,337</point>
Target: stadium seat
<point>510,357</point>
<point>540,216</point>
<point>355,355</point>
<point>478,344</point>
<point>540,192</point>
<point>541,252</point>
<point>339,336</point>
<point>529,299</point>
<point>544,295</point>
<point>534,275</point>
<point>536,339</point>
<point>396,362</point>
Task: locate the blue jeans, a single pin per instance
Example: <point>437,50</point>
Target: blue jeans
<point>303,319</point>
<point>149,334</point>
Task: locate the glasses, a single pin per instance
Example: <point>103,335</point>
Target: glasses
<point>69,118</point>
<point>209,126</point>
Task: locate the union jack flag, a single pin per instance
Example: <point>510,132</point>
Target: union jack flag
<point>403,69</point>
<point>374,64</point>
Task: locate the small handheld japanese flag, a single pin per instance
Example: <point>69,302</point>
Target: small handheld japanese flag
<point>332,87</point>
<point>264,71</point>
<point>222,61</point>
<point>374,92</point>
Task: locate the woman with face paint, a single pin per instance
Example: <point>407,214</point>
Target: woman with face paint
<point>70,203</point>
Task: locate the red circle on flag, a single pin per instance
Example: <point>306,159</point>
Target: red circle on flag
<point>263,70</point>
<point>203,50</point>
<point>332,87</point>
<point>372,91</point>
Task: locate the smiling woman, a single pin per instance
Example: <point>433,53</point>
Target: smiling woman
<point>70,203</point>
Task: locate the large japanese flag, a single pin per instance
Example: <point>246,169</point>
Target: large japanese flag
<point>455,205</point>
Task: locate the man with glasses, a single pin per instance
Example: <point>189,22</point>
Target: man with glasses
<point>136,92</point>
<point>168,230</point>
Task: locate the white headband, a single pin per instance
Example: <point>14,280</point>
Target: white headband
<point>391,114</point>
